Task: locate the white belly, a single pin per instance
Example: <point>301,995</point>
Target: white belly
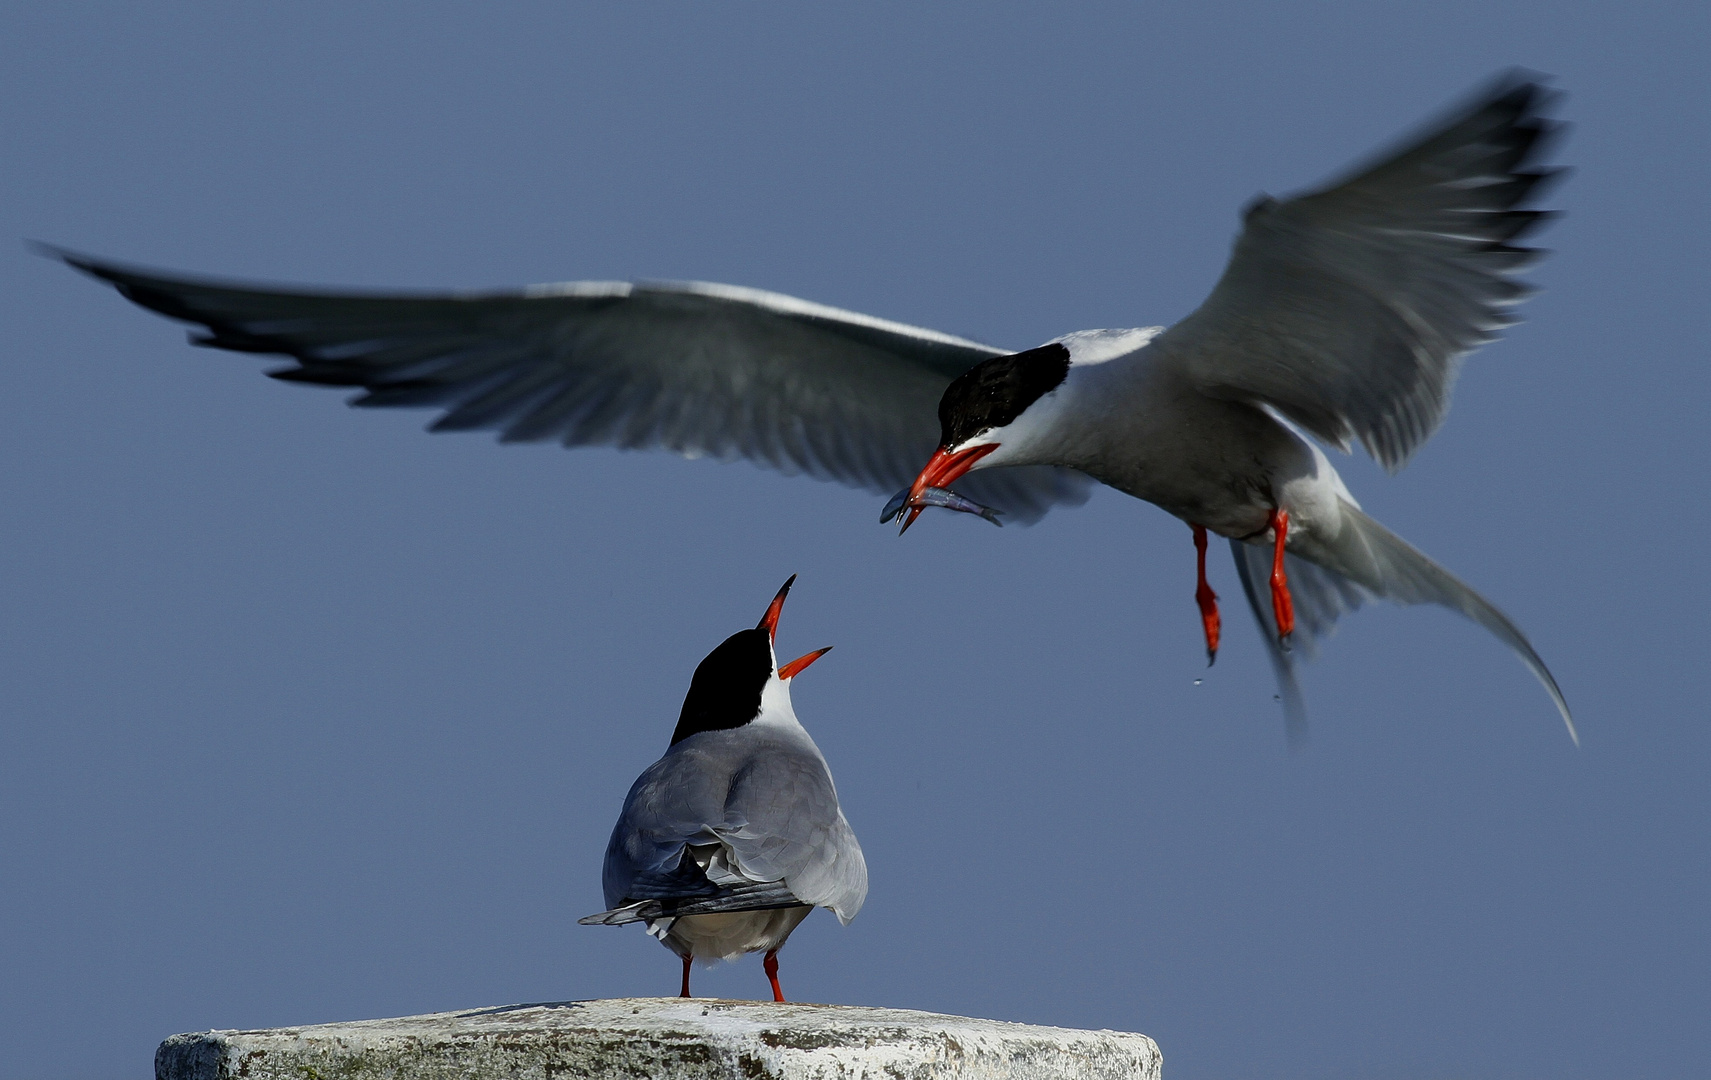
<point>728,935</point>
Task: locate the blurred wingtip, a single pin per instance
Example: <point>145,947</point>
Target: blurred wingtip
<point>71,258</point>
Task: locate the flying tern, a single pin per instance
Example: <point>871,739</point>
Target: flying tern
<point>1342,316</point>
<point>1343,313</point>
<point>727,842</point>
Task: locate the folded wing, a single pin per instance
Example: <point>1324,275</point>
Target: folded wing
<point>1349,308</point>
<point>783,820</point>
<point>694,368</point>
<point>677,897</point>
<point>721,824</point>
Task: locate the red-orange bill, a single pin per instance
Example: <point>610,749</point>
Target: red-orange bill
<point>800,664</point>
<point>941,469</point>
<point>769,621</point>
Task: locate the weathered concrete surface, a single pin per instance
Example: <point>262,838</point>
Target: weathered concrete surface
<point>663,1039</point>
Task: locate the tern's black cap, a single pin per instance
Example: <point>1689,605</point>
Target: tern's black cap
<point>725,692</point>
<point>995,392</point>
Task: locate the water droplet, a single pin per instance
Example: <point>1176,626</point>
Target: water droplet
<point>1277,697</point>
<point>1197,682</point>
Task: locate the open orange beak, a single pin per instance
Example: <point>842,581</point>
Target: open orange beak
<point>769,623</point>
<point>800,664</point>
<point>943,469</point>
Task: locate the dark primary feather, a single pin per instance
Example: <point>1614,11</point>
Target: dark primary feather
<point>702,370</point>
<point>685,889</point>
<point>688,884</point>
<point>1349,308</point>
<point>750,898</point>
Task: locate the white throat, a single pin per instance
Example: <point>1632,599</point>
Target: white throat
<point>775,708</point>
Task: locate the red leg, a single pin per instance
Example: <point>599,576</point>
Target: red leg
<point>685,992</point>
<point>1281,605</point>
<point>1205,597</point>
<point>771,966</point>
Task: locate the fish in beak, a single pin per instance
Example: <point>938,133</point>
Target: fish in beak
<point>931,487</point>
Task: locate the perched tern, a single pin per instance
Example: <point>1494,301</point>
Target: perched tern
<point>1342,315</point>
<point>727,842</point>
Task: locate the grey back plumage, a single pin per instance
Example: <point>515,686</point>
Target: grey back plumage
<point>737,820</point>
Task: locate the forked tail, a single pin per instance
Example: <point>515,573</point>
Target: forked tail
<point>1365,561</point>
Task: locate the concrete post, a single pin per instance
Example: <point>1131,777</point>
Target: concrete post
<point>662,1039</point>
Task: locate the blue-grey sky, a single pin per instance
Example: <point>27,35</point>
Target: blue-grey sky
<point>306,715</point>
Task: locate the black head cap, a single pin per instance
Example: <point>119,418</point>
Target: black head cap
<point>994,392</point>
<point>725,692</point>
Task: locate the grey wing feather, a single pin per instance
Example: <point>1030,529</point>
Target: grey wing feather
<point>1253,565</point>
<point>619,916</point>
<point>1367,560</point>
<point>1349,308</point>
<point>756,896</point>
<point>1320,596</point>
<point>784,821</point>
<point>695,368</point>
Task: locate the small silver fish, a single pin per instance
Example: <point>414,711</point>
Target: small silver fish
<point>935,496</point>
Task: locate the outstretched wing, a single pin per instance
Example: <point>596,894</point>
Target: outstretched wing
<point>698,369</point>
<point>1349,308</point>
